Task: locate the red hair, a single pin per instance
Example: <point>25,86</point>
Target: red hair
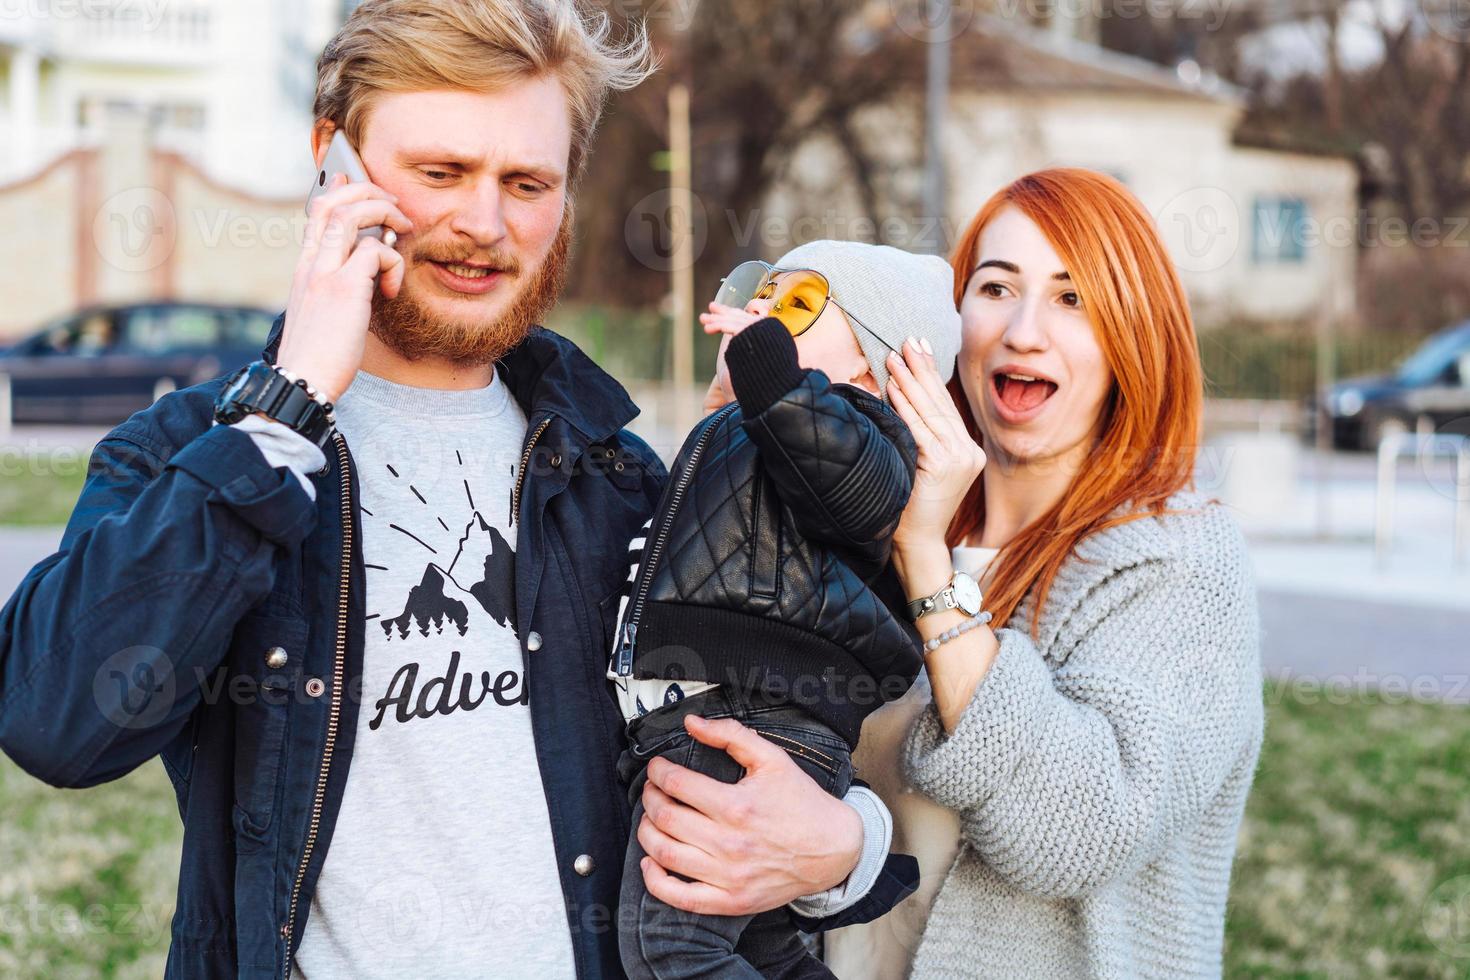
<point>1150,423</point>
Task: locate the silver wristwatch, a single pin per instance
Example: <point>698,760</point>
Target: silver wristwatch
<point>962,593</point>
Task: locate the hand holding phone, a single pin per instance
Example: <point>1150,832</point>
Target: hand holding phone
<point>343,262</point>
<point>341,158</point>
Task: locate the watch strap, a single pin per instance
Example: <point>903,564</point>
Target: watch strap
<point>270,391</point>
<point>945,598</point>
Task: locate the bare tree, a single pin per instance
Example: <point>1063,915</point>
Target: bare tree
<point>766,76</point>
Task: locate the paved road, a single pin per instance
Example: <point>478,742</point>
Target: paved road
<point>1339,641</point>
<point>1346,643</point>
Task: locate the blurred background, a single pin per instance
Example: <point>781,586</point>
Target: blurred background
<point>1307,161</point>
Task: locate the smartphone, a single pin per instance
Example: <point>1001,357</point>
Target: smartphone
<point>341,158</point>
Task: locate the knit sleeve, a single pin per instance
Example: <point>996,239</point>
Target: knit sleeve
<point>1067,778</point>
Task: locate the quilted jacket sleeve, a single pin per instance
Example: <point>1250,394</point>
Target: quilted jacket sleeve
<point>842,462</point>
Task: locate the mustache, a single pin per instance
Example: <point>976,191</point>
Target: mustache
<point>501,260</point>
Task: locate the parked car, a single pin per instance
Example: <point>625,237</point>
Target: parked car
<point>1433,383</point>
<point>100,364</point>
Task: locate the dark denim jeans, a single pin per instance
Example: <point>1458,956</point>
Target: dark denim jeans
<point>659,941</point>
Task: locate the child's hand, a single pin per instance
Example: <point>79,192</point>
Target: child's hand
<point>727,320</point>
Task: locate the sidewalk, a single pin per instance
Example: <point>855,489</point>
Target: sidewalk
<point>1330,611</point>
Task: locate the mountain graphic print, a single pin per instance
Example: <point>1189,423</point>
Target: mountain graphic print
<point>469,572</point>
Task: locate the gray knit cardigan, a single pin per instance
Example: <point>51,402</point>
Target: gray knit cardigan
<point>1101,772</point>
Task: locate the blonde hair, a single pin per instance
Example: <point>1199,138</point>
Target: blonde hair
<point>477,45</point>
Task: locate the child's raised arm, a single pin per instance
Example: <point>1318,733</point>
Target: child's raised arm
<point>844,466</point>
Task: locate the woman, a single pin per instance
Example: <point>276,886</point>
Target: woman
<point>1086,754</point>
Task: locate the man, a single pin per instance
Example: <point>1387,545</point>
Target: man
<point>375,674</point>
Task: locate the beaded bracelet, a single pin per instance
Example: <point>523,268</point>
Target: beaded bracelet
<point>327,407</point>
<point>980,620</point>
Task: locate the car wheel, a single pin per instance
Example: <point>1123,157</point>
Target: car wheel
<point>1346,440</point>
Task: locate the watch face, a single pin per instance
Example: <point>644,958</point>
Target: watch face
<point>241,392</point>
<point>967,594</point>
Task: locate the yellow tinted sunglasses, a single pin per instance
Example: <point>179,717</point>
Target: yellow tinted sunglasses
<point>798,296</point>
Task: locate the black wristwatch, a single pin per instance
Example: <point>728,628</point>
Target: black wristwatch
<point>276,394</point>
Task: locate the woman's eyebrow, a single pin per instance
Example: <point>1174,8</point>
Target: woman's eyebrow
<point>1015,270</point>
<point>1010,267</point>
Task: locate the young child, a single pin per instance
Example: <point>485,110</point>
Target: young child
<point>760,589</point>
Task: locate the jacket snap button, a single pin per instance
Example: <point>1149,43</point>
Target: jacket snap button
<point>584,865</point>
<point>315,686</point>
<point>275,658</point>
<point>618,466</point>
<point>555,460</point>
<point>533,641</point>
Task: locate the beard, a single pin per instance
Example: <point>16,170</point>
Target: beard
<point>413,332</point>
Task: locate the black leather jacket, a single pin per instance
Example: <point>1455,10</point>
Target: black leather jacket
<point>766,565</point>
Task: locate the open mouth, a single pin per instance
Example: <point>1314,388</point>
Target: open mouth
<point>1021,394</point>
<point>464,278</point>
<point>468,271</point>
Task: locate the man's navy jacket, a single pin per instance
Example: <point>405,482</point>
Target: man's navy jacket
<point>188,560</point>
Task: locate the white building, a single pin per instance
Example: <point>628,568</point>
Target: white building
<point>227,83</point>
<point>1258,234</point>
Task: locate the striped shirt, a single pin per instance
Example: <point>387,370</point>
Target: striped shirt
<point>637,697</point>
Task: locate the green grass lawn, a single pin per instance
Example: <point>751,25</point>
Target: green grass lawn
<point>1355,849</point>
<point>38,489</point>
<point>1356,843</point>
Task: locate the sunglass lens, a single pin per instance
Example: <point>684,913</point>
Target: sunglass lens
<point>741,284</point>
<point>799,299</point>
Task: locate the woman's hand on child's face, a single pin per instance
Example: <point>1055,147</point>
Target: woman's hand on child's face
<point>727,320</point>
<point>949,459</point>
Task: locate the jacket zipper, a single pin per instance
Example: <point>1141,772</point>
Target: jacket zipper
<point>515,498</point>
<point>335,710</point>
<point>628,636</point>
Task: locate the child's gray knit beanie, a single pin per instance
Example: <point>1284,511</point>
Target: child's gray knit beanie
<point>892,294</point>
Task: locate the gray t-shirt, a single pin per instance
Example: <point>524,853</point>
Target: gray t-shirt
<point>441,863</point>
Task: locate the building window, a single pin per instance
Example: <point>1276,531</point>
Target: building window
<point>1279,231</point>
